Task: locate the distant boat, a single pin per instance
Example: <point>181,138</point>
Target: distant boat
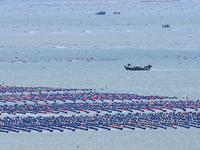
<point>101,13</point>
<point>115,12</point>
<point>137,67</point>
<point>166,26</point>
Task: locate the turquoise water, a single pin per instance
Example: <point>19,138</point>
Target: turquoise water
<point>43,35</point>
<point>127,139</point>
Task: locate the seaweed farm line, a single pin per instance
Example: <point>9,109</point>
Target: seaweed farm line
<point>122,110</point>
<point>56,60</point>
<point>97,107</point>
<point>107,121</point>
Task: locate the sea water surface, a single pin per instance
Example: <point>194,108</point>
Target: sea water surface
<point>67,45</point>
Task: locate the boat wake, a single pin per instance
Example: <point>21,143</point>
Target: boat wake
<point>175,70</point>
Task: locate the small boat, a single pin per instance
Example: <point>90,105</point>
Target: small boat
<point>166,26</point>
<point>101,13</point>
<point>115,12</point>
<point>137,67</point>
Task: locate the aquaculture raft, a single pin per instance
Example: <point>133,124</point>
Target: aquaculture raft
<point>96,122</point>
<point>123,110</point>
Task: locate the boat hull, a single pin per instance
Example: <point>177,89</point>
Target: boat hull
<point>137,68</point>
<point>101,13</point>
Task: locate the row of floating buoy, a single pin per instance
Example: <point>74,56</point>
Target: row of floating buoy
<point>114,3</point>
<point>44,94</point>
<point>21,89</point>
<point>47,95</point>
<point>96,122</point>
<point>57,108</point>
<point>57,60</point>
<point>70,96</point>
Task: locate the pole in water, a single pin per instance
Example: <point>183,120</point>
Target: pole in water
<point>105,87</point>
